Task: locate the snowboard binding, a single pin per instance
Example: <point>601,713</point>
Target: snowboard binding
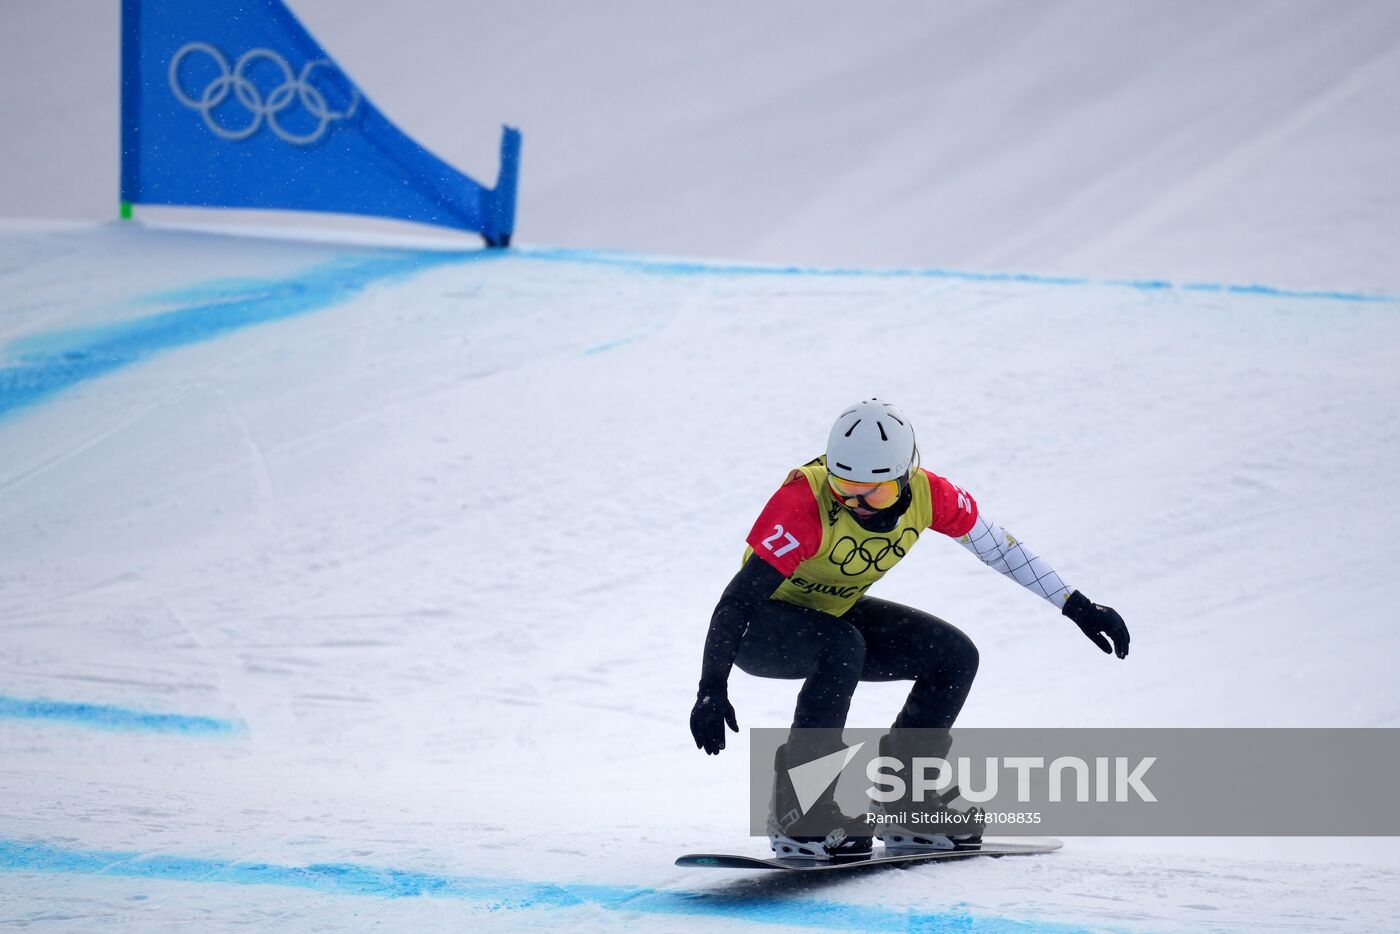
<point>819,833</point>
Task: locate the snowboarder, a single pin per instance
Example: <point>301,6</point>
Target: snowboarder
<point>835,527</point>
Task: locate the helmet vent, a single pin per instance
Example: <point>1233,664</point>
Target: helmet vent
<point>853,428</point>
<point>881,470</point>
<point>843,466</point>
<point>892,415</point>
<point>883,436</point>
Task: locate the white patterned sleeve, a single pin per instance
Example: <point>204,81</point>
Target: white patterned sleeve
<point>1000,550</point>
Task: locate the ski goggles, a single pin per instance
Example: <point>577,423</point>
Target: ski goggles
<point>880,495</point>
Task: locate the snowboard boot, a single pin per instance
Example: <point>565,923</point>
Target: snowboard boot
<point>943,827</point>
<point>822,831</point>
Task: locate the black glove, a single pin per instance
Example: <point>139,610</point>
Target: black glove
<point>711,712</point>
<point>1099,623</point>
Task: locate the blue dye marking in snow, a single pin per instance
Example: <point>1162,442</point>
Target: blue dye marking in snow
<point>621,341</point>
<point>609,345</point>
<point>45,364</point>
<point>508,894</point>
<point>640,263</point>
<point>106,717</point>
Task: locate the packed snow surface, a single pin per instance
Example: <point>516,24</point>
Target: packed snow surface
<point>351,573</point>
<point>353,580</point>
<point>1250,141</point>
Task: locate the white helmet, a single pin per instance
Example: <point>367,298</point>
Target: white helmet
<point>871,441</point>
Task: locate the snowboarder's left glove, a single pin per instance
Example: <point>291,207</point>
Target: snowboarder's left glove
<point>711,712</point>
<point>1099,623</point>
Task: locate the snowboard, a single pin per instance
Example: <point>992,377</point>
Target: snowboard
<point>991,846</point>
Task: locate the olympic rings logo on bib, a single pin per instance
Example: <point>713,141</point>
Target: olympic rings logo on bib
<point>272,107</point>
<point>855,559</point>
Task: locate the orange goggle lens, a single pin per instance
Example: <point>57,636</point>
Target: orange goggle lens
<point>874,495</point>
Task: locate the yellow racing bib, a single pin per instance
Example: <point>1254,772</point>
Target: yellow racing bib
<point>836,559</point>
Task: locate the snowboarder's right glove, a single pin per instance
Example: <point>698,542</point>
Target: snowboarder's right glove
<point>1099,623</point>
<point>711,712</point>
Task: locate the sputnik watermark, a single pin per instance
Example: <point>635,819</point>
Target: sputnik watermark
<point>1084,782</point>
<point>1114,779</point>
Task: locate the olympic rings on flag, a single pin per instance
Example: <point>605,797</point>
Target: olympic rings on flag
<point>294,88</point>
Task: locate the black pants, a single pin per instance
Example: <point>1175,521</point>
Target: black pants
<point>875,641</point>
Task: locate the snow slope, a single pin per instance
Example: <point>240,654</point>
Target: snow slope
<point>340,571</point>
<point>393,540</point>
<point>1252,141</point>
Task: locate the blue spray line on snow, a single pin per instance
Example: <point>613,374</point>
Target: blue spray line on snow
<point>508,894</point>
<point>45,364</point>
<point>103,716</point>
<point>641,263</point>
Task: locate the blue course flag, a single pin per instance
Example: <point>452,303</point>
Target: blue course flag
<point>232,103</point>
